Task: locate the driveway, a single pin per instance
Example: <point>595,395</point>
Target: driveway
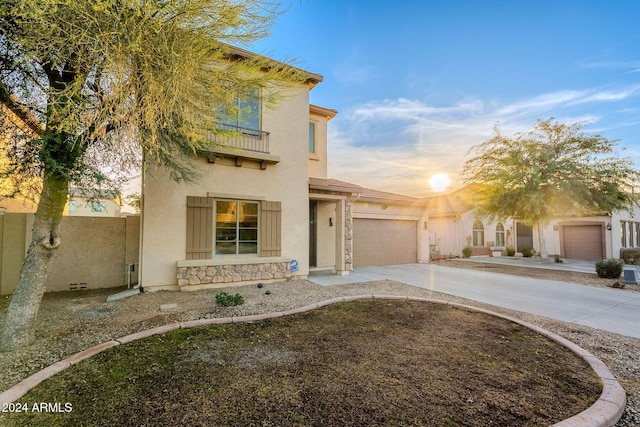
<point>612,310</point>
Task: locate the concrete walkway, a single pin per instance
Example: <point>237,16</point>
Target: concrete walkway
<point>613,310</point>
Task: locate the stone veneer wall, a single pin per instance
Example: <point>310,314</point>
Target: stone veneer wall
<point>203,275</point>
<point>348,235</point>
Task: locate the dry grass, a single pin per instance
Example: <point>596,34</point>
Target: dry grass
<point>360,363</point>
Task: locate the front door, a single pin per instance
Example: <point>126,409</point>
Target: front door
<point>524,234</point>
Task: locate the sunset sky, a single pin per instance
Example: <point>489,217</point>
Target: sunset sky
<point>418,83</point>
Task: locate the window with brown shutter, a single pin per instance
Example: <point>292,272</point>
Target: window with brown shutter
<point>201,228</point>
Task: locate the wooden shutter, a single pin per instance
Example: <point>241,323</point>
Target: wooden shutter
<point>270,229</point>
<point>199,227</point>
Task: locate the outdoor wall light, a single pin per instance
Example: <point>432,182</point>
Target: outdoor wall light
<point>330,222</point>
<point>555,227</point>
<point>609,226</point>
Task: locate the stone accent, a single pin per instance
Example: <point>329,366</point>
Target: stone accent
<point>348,236</point>
<point>231,273</point>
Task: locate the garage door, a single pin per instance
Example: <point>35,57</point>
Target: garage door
<point>582,242</point>
<point>384,242</point>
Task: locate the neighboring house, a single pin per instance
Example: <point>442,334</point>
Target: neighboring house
<point>81,203</point>
<point>93,203</point>
<point>453,224</point>
<point>15,122</point>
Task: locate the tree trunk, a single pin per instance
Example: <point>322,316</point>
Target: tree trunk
<point>542,242</point>
<point>25,301</point>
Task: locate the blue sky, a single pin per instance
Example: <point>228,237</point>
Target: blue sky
<point>418,83</point>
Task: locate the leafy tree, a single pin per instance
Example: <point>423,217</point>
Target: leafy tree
<point>551,171</point>
<point>110,82</point>
<point>133,200</point>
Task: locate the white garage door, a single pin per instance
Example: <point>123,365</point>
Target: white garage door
<point>384,242</point>
<point>582,242</point>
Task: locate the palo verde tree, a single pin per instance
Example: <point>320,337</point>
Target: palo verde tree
<point>101,84</point>
<point>552,171</point>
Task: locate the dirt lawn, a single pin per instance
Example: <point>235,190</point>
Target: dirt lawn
<point>69,322</point>
<point>374,363</point>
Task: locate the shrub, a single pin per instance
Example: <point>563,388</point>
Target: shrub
<point>609,268</point>
<point>227,300</point>
<point>511,251</point>
<point>630,255</point>
<point>528,252</point>
<point>466,252</point>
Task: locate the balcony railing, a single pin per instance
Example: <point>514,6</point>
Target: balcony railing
<point>240,138</point>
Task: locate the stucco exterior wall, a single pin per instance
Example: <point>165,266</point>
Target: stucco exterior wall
<point>445,237</point>
<point>326,235</point>
<point>164,202</point>
<point>318,159</point>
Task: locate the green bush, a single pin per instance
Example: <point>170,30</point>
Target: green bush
<point>630,255</point>
<point>528,252</point>
<point>466,252</point>
<point>227,300</point>
<point>511,251</point>
<point>609,268</point>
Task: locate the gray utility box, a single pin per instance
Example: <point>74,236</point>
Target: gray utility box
<point>630,275</point>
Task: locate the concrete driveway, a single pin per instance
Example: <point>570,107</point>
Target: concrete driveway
<point>613,310</point>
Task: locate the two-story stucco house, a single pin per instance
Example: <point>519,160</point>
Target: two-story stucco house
<point>264,208</point>
<point>246,219</point>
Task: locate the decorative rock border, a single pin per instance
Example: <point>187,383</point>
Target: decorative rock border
<point>607,410</point>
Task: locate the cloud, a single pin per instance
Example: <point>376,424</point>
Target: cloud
<point>398,145</point>
<point>630,66</point>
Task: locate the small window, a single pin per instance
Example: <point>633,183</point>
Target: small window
<point>72,205</point>
<point>312,138</point>
<point>236,228</point>
<point>500,235</point>
<point>478,233</point>
<point>623,233</point>
<point>98,207</point>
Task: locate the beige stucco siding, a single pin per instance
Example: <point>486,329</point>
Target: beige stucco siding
<point>326,235</point>
<point>318,159</point>
<point>164,204</point>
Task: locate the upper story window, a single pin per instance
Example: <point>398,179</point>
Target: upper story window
<point>245,113</point>
<point>312,138</point>
<point>478,233</point>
